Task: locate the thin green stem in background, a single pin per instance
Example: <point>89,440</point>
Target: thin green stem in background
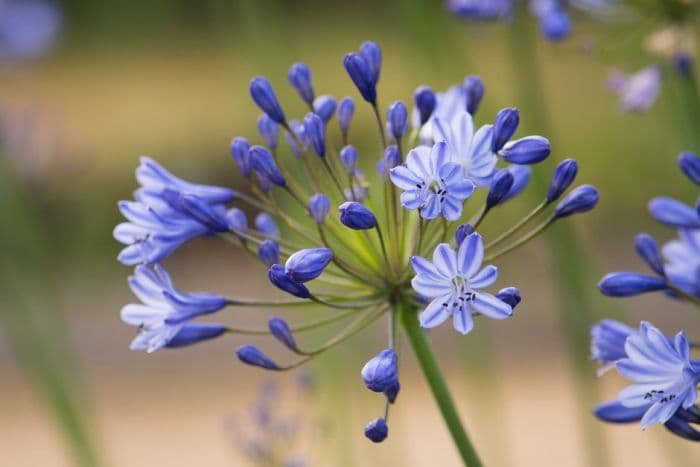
<point>436,382</point>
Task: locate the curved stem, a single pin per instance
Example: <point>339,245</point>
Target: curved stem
<point>433,375</point>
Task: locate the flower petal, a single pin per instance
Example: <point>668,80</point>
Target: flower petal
<point>491,306</point>
<point>470,255</point>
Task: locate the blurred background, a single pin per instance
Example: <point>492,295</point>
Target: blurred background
<point>107,82</point>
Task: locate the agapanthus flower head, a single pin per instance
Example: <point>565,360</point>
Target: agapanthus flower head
<point>332,239</point>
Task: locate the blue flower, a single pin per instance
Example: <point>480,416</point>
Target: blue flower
<point>269,252</point>
<point>372,54</point>
<point>397,118</point>
<point>377,430</point>
<point>627,284</point>
<point>266,225</point>
<point>689,163</point>
<point>300,78</point>
<point>315,131</point>
<point>279,278</point>
<point>474,92</point>
<point>637,92</point>
<point>527,150</point>
<point>381,372</point>
<point>608,341</point>
<point>282,332</point>
<point>346,110</point>
<point>324,106</point>
<point>471,150</point>
<point>194,333</point>
<point>683,261</point>
<point>661,372</point>
<point>264,96</point>
<point>392,157</point>
<point>251,355</point>
<point>239,152</point>
<point>648,250</point>
<point>269,130</point>
<point>521,177</point>
<point>307,264</point>
<point>673,213</point>
<point>510,295</point>
<point>500,186</point>
<point>264,165</point>
<point>678,424</point>
<point>425,101</point>
<point>431,183</point>
<point>356,216</point>
<point>555,24</point>
<point>564,176</point>
<point>319,205</point>
<point>454,280</point>
<point>359,71</point>
<point>348,157</point>
<point>237,220</point>
<point>164,310</point>
<point>581,199</point>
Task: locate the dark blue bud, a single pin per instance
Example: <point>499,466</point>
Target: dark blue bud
<point>372,54</point>
<point>266,225</point>
<point>615,412</point>
<point>269,252</point>
<point>237,220</point>
<point>356,216</point>
<point>504,127</point>
<point>346,109</point>
<point>509,295</point>
<point>555,24</point>
<point>626,284</point>
<point>425,101</point>
<point>563,177</point>
<point>319,205</point>
<point>376,430</point>
<point>251,355</point>
<point>204,213</point>
<point>348,157</point>
<point>360,74</point>
<point>264,165</point>
<point>500,185</point>
<point>282,281</point>
<point>581,199</point>
<point>239,152</point>
<point>526,151</point>
<point>648,250</point>
<point>380,371</point>
<point>397,116</point>
<point>293,142</point>
<point>299,76</point>
<point>392,391</point>
<point>690,165</point>
<point>264,96</point>
<point>474,92</point>
<point>269,130</point>
<point>324,107</point>
<point>673,213</point>
<point>392,157</point>
<point>683,62</point>
<point>281,331</point>
<point>315,131</point>
<point>521,177</point>
<point>682,428</point>
<point>307,264</point>
<point>192,333</point>
<point>462,232</point>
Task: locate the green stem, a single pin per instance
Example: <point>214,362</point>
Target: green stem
<point>433,375</point>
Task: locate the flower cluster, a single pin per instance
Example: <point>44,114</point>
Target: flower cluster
<point>402,245</point>
<point>664,375</point>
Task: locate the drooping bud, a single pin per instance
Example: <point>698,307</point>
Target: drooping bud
<point>193,333</point>
<point>626,284</point>
<point>392,157</point>
<point>269,252</point>
<point>425,101</point>
<point>324,107</point>
<point>673,213</point>
<point>307,264</point>
<point>300,78</point>
<point>264,165</point>
<point>282,281</point>
<point>372,54</point>
<point>526,151</point>
<point>356,216</point>
<point>264,96</point>
<point>348,157</point>
<point>648,250</point>
<point>239,152</point>
<point>359,71</point>
<point>281,331</point>
<point>500,185</point>
<point>237,220</point>
<point>509,295</point>
<point>462,232</point>
<point>346,109</point>
<point>251,355</point>
<point>581,199</point>
<point>474,91</point>
<point>315,131</point>
<point>504,127</point>
<point>563,177</point>
<point>689,163</point>
<point>380,371</point>
<point>266,225</point>
<point>269,130</point>
<point>319,205</point>
<point>397,116</point>
<point>377,430</point>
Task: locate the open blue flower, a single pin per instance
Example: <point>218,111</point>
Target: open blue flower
<point>683,261</point>
<point>664,377</point>
<point>164,311</point>
<point>431,183</point>
<point>454,280</point>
